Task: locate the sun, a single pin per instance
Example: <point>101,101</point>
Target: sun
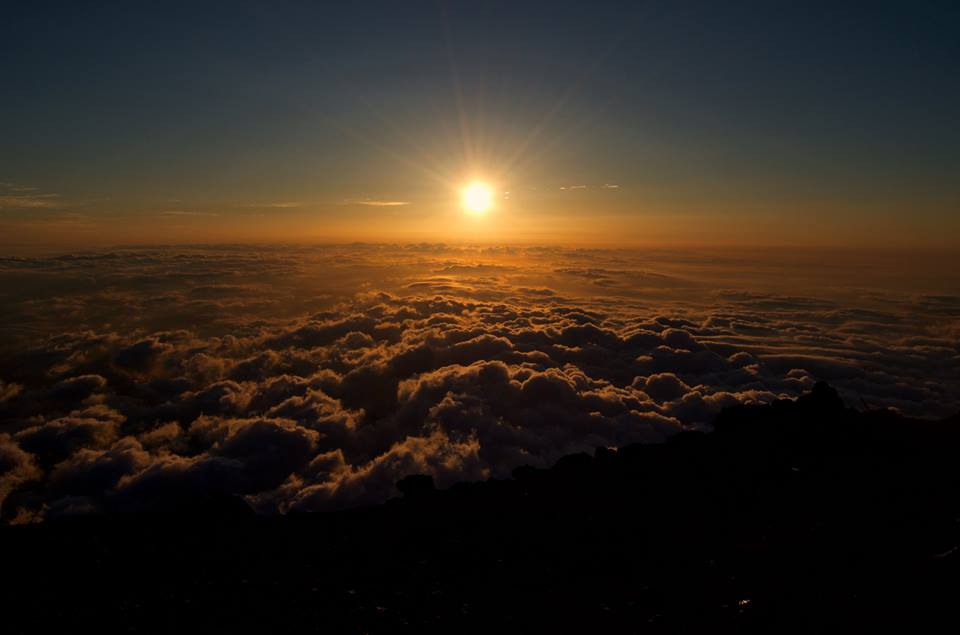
<point>477,197</point>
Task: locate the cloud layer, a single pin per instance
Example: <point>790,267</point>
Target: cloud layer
<point>310,379</point>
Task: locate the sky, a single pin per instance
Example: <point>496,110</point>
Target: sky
<point>773,123</point>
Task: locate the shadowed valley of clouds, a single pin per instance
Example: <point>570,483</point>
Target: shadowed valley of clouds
<point>315,378</point>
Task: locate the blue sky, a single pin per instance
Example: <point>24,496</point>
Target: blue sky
<point>689,107</point>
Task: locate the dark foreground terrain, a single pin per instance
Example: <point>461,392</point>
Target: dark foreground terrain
<point>795,517</point>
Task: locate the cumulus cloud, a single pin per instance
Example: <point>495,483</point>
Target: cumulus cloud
<point>16,467</point>
<point>662,386</point>
<point>315,378</point>
<point>58,438</point>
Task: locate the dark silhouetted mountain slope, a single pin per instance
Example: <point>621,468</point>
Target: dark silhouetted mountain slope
<point>796,517</point>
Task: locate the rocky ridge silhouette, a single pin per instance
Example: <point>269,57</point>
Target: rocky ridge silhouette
<point>802,516</point>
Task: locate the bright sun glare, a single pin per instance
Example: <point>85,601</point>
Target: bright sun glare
<point>477,197</point>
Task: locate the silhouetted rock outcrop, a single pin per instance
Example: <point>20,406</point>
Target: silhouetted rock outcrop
<point>416,485</point>
<point>795,517</point>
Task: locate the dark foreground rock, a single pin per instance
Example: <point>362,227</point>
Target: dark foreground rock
<point>798,517</point>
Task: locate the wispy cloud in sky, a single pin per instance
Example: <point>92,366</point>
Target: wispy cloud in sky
<point>14,196</point>
<point>27,202</point>
<point>178,212</point>
<point>378,203</point>
<point>279,204</point>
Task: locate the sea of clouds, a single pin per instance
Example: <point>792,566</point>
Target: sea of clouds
<point>313,378</point>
